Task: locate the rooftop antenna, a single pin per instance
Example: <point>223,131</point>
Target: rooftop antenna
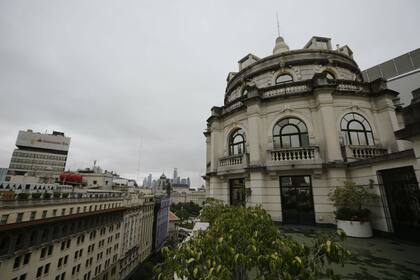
<point>278,24</point>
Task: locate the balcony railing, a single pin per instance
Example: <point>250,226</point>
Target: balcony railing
<point>291,154</point>
<point>362,152</point>
<point>284,89</point>
<point>231,160</point>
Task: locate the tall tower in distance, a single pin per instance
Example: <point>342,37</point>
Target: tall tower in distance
<point>175,177</point>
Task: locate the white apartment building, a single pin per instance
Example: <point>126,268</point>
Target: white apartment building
<point>39,154</point>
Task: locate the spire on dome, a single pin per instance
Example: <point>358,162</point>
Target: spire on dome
<point>280,46</point>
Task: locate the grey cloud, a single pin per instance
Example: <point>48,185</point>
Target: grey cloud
<point>112,74</point>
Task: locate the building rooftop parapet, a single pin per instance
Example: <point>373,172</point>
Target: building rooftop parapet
<point>305,87</point>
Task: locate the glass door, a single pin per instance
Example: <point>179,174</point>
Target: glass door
<point>297,201</point>
<point>237,192</point>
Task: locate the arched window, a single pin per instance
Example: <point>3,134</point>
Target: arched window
<point>356,130</point>
<point>237,142</point>
<point>284,78</point>
<point>290,133</point>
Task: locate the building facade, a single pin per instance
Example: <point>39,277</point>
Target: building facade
<point>299,123</point>
<point>402,74</point>
<point>99,236</point>
<point>161,221</point>
<point>198,197</point>
<point>39,154</point>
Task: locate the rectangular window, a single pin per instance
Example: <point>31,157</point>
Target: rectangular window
<point>44,214</point>
<point>63,211</point>
<point>71,210</point>
<point>39,272</point>
<point>26,258</point>
<point>19,217</point>
<point>50,250</point>
<point>60,262</point>
<point>54,212</point>
<point>33,214</point>
<point>4,219</point>
<point>65,259</point>
<point>43,252</point>
<point>16,264</point>
<point>47,268</point>
<point>22,277</point>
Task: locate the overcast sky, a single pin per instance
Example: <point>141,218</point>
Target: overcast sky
<point>136,79</point>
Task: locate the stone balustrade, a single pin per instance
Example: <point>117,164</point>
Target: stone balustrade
<point>291,154</point>
<point>231,160</point>
<point>284,89</point>
<point>344,85</point>
<point>233,106</point>
<point>362,152</point>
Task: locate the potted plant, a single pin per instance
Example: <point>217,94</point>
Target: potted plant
<point>352,216</point>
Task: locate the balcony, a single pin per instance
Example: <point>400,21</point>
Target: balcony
<point>301,157</point>
<point>232,163</point>
<point>362,152</point>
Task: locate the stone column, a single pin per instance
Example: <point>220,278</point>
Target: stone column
<point>331,144</point>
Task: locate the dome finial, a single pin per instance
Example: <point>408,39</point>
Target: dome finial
<point>280,46</point>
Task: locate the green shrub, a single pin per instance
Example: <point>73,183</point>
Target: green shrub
<point>23,196</point>
<point>46,195</point>
<point>36,195</point>
<point>241,242</point>
<point>348,214</point>
<point>57,195</point>
<point>350,201</point>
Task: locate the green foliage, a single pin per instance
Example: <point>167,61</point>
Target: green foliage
<point>56,195</point>
<point>36,195</point>
<point>186,210</point>
<point>350,200</point>
<point>348,214</point>
<point>65,195</point>
<point>22,195</point>
<point>46,195</point>
<point>244,242</point>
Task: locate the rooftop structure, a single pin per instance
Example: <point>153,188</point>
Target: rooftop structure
<point>39,154</point>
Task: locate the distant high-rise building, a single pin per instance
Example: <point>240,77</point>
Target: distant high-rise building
<point>3,173</point>
<point>175,178</point>
<point>39,153</point>
<point>149,180</point>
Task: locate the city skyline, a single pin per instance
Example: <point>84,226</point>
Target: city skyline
<point>126,92</point>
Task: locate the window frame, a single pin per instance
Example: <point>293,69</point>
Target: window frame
<point>350,134</point>
<point>237,148</point>
<point>301,133</point>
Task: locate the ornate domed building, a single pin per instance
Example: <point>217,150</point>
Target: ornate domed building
<point>297,124</point>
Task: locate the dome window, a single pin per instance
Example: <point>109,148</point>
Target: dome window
<point>284,79</point>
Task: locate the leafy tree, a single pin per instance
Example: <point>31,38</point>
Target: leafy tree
<point>244,243</point>
<point>186,210</point>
